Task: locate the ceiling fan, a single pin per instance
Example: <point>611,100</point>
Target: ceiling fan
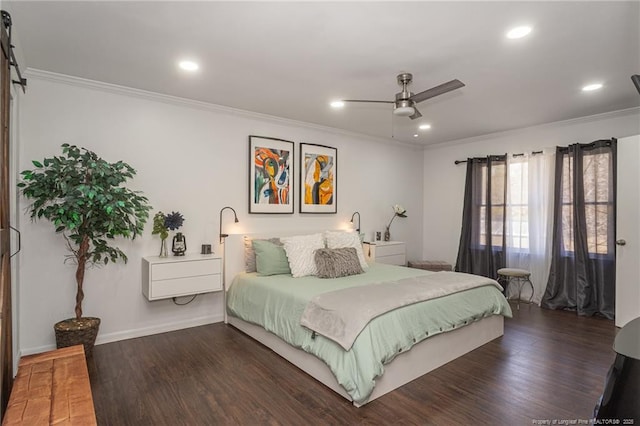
<point>405,103</point>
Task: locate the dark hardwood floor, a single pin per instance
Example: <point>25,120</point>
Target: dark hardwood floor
<point>548,365</point>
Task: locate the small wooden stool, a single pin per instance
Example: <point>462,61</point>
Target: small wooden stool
<point>521,276</point>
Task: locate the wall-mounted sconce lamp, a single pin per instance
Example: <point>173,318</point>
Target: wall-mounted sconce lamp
<point>352,216</point>
<point>223,236</point>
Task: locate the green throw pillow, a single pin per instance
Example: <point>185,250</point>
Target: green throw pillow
<point>271,259</point>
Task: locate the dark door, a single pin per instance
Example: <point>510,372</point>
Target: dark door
<point>6,351</point>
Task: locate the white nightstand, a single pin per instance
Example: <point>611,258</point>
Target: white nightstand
<point>167,277</point>
<point>390,252</point>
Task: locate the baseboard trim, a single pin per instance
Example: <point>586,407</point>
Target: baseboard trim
<point>157,329</point>
<point>134,333</point>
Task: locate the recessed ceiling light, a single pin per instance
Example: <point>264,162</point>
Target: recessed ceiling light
<point>337,104</point>
<point>424,126</point>
<point>415,136</point>
<point>188,65</point>
<point>518,32</point>
<point>592,87</point>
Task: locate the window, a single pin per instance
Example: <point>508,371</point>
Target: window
<point>598,203</point>
<point>583,267</point>
<point>497,200</point>
<point>516,216</point>
<point>518,204</point>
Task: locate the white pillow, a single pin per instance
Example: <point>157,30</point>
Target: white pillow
<point>342,239</point>
<point>301,253</point>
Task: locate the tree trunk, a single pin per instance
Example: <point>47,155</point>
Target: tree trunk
<point>82,261</point>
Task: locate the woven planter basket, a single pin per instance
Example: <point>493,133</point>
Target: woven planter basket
<point>73,331</point>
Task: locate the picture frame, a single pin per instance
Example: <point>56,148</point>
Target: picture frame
<point>318,179</point>
<point>271,174</point>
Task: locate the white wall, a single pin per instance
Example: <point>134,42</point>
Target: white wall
<point>190,158</point>
<point>444,181</point>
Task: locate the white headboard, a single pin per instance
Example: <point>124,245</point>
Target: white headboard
<point>233,252</point>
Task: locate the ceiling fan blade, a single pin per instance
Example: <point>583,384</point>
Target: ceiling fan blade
<point>362,100</point>
<point>438,90</point>
<point>415,114</point>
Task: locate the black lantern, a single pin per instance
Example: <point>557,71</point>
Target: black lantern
<point>179,244</point>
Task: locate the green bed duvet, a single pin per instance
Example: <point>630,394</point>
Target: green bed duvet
<point>277,303</point>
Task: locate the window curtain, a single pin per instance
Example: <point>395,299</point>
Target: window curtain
<point>582,275</point>
<point>482,238</point>
<point>530,219</point>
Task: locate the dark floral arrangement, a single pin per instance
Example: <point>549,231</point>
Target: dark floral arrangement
<point>162,223</point>
<point>173,221</point>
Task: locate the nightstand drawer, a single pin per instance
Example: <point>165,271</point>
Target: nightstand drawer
<point>169,271</point>
<point>166,277</point>
<point>390,250</point>
<point>185,286</point>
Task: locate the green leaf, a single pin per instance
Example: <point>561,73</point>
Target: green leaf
<point>37,163</point>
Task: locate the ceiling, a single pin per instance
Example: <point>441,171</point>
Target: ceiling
<point>291,59</point>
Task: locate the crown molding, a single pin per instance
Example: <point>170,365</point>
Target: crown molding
<point>544,126</point>
<point>37,74</point>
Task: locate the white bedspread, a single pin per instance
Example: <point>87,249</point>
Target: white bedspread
<point>342,314</point>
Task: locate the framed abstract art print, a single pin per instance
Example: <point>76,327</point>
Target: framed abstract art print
<point>318,178</point>
<point>271,171</point>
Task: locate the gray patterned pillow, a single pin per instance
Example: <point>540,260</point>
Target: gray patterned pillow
<point>335,263</point>
<point>250,254</point>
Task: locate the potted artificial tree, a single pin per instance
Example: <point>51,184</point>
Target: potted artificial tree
<point>84,198</point>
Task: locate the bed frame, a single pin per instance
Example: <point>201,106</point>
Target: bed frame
<point>421,359</point>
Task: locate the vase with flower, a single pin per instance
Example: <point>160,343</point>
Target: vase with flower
<point>398,211</point>
<point>162,224</point>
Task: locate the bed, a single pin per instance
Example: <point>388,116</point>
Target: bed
<point>427,334</point>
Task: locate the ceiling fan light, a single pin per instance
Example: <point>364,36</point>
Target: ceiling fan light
<point>404,108</point>
<point>404,111</point>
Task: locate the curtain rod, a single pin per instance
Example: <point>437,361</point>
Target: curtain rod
<point>594,144</point>
<point>513,155</point>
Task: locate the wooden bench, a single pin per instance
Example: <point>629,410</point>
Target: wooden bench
<point>52,388</point>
